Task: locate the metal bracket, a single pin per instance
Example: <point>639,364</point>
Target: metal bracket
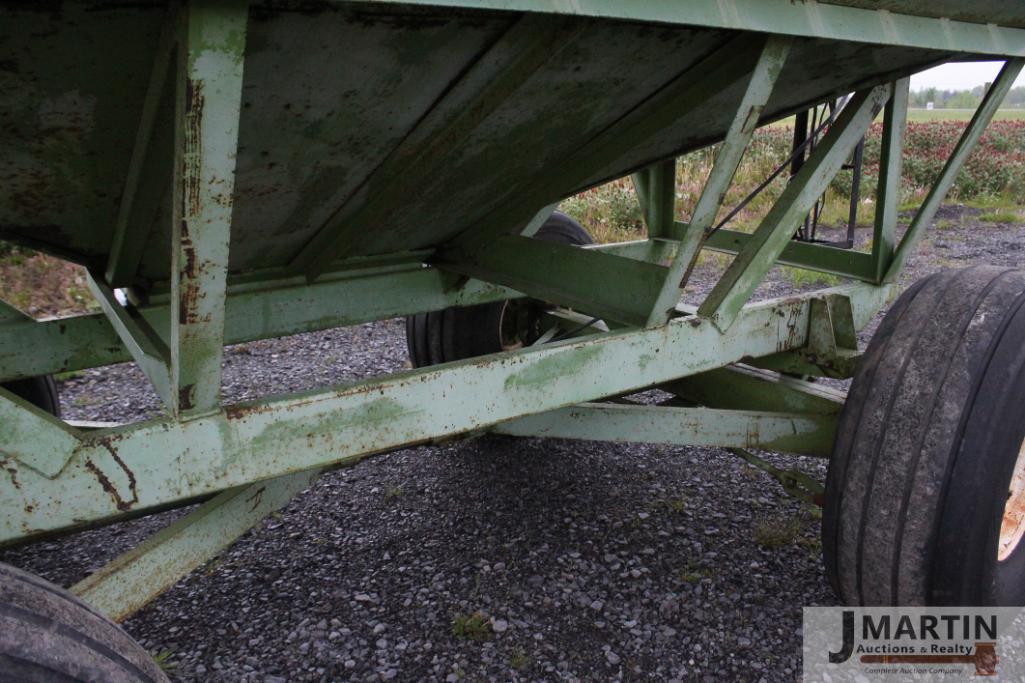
<point>33,437</point>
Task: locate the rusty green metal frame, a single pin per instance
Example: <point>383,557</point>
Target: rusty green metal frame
<point>761,82</point>
<point>211,55</point>
<point>776,230</point>
<point>248,459</point>
<point>134,468</point>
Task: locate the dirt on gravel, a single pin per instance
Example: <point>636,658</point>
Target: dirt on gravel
<point>493,558</point>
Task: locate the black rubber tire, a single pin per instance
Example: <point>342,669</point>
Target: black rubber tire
<point>48,635</point>
<point>926,448</point>
<point>39,391</point>
<point>463,332</point>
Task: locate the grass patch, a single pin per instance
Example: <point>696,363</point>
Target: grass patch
<point>163,660</point>
<point>777,532</point>
<point>474,626</point>
<point>801,277</point>
<point>1001,217</point>
<point>519,659</point>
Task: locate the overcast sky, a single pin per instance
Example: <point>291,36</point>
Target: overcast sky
<point>964,76</point>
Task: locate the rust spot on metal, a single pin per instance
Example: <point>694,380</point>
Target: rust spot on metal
<point>128,472</point>
<point>237,412</point>
<point>107,486</point>
<point>256,498</point>
<point>193,140</point>
<point>13,471</point>
<point>189,293</point>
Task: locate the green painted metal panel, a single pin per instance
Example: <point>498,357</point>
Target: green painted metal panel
<point>310,138</point>
<point>920,23</point>
<point>138,467</point>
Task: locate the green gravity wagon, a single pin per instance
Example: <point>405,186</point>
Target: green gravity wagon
<point>232,170</point>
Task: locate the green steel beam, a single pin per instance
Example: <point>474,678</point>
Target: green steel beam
<point>774,233</point>
<point>760,85</point>
<point>211,55</point>
<point>129,240</point>
<point>264,309</point>
<point>990,103</point>
<point>32,437</point>
<point>146,347</point>
<point>740,387</point>
<point>819,257</point>
<point>127,583</point>
<point>895,121</point>
<point>783,17</point>
<point>494,78</point>
<point>164,462</point>
<point>562,274</point>
<point>805,434</point>
<point>656,191</point>
<point>684,93</point>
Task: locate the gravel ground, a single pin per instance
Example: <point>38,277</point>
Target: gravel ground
<point>493,558</point>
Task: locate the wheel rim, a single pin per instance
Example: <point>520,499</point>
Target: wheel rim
<point>1012,526</point>
<point>516,325</point>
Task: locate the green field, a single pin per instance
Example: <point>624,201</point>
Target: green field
<point>916,115</point>
<point>962,115</point>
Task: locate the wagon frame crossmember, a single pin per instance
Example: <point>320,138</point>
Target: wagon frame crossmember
<point>721,360</point>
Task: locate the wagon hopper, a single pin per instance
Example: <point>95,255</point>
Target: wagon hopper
<point>230,171</point>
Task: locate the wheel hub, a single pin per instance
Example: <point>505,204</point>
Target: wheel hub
<point>1012,527</point>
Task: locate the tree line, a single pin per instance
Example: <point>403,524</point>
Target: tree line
<point>961,99</point>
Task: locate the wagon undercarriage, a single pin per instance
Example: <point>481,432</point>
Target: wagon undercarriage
<point>227,228</point>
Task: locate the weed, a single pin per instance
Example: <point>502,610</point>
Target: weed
<point>519,659</point>
<point>777,532</point>
<point>393,492</point>
<point>69,375</point>
<point>163,660</point>
<point>474,626</point>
